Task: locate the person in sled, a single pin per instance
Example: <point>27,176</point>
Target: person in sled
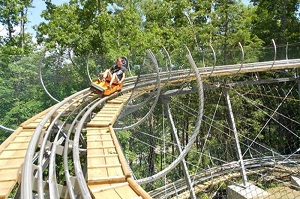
<point>115,74</point>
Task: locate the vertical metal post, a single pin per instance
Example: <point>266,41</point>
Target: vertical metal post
<point>174,131</point>
<point>275,53</point>
<point>243,172</point>
<point>286,51</point>
<point>298,86</point>
<point>164,140</point>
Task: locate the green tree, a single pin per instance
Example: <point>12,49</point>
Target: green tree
<point>278,20</point>
<point>13,17</point>
<point>231,22</point>
<point>62,31</point>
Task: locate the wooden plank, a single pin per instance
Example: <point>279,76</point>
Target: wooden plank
<point>115,171</point>
<point>102,187</point>
<point>21,139</point>
<point>26,133</point>
<point>97,131</point>
<point>10,138</point>
<point>121,99</point>
<point>12,153</point>
<point>9,175</point>
<point>107,179</point>
<point>6,188</point>
<point>126,192</point>
<point>120,154</point>
<point>101,135</point>
<point>114,111</point>
<point>103,155</point>
<point>138,189</point>
<point>94,162</point>
<point>103,117</point>
<point>8,154</point>
<point>96,173</point>
<point>99,123</point>
<point>36,117</point>
<point>101,139</point>
<point>106,173</point>
<point>15,149</point>
<point>101,147</point>
<point>11,157</point>
<point>17,146</point>
<point>110,193</point>
<point>10,163</point>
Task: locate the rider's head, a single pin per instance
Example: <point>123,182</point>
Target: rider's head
<point>119,61</point>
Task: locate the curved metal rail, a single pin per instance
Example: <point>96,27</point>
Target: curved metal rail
<point>203,180</point>
<point>45,137</point>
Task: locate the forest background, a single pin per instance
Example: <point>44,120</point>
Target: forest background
<point>83,32</point>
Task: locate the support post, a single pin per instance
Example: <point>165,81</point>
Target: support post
<point>174,132</point>
<point>245,190</point>
<point>237,142</point>
<point>298,86</point>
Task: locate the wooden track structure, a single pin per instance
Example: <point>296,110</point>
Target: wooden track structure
<point>12,153</point>
<point>13,150</point>
<point>108,173</point>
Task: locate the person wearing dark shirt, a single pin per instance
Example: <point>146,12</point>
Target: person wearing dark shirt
<point>116,74</point>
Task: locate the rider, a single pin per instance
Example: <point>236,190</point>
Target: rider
<point>116,74</point>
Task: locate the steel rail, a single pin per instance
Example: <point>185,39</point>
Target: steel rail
<point>158,89</point>
<point>176,76</point>
<point>42,82</point>
<point>216,172</point>
<point>275,52</point>
<point>52,166</point>
<point>169,60</point>
<point>26,184</point>
<point>224,70</point>
<point>195,131</point>
<point>67,146</point>
<point>135,107</point>
<point>80,178</point>
<point>6,128</point>
<point>87,67</point>
<point>215,60</point>
<point>286,51</point>
<point>43,148</point>
<point>231,67</point>
<point>243,57</point>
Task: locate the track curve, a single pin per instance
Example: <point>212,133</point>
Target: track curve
<point>69,131</point>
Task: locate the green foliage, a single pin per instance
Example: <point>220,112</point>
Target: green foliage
<point>63,27</point>
<point>278,20</point>
<point>13,16</point>
<point>92,33</point>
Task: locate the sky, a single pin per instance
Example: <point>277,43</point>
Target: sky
<point>34,13</point>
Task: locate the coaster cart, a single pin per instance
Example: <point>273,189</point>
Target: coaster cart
<point>101,87</point>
